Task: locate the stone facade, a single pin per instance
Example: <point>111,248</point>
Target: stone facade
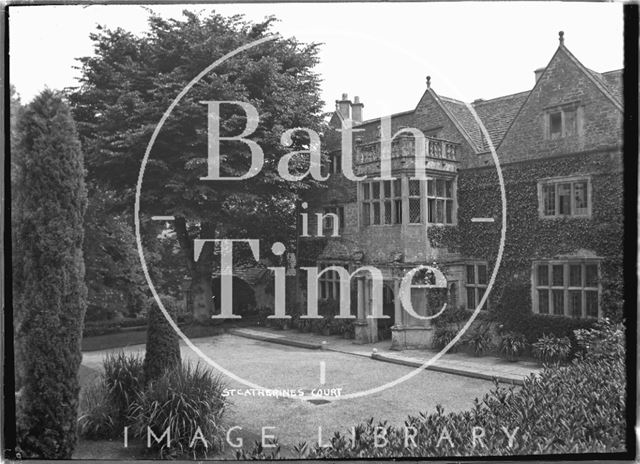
<point>559,145</point>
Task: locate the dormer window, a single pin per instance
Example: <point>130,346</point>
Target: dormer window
<point>562,122</point>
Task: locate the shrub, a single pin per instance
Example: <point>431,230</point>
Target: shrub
<point>172,304</point>
<point>513,345</point>
<point>96,414</point>
<point>443,336</point>
<point>579,408</point>
<point>263,312</point>
<point>104,406</point>
<point>479,341</point>
<point>186,400</point>
<point>550,349</point>
<point>124,380</point>
<point>519,319</point>
<point>162,349</point>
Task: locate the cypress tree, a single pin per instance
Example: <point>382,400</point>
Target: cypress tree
<point>50,300</point>
<point>163,348</point>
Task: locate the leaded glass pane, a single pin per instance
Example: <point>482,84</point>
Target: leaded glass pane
<point>558,275</point>
<point>482,274</point>
<point>591,275</point>
<point>543,274</point>
<point>387,212</point>
<point>549,199</point>
<point>591,303</point>
<point>471,275</point>
<point>365,214</point>
<point>564,199</point>
<point>414,210</point>
<point>376,190</point>
<point>471,297</point>
<point>558,302</point>
<point>387,189</point>
<point>543,301</point>
<point>414,187</point>
<point>580,197</point>
<point>398,211</point>
<point>575,303</point>
<point>575,275</point>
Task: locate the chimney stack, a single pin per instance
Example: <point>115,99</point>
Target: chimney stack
<point>538,72</point>
<point>356,110</point>
<point>344,106</point>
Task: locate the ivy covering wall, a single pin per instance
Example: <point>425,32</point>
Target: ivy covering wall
<point>529,237</point>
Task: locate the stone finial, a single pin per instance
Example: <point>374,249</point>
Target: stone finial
<point>561,37</point>
<point>428,82</point>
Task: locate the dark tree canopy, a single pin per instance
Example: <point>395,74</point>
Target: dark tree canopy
<point>50,296</point>
<point>129,83</point>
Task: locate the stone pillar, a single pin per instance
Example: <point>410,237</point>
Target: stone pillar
<point>360,285</point>
<point>371,322</point>
<point>397,304</point>
<point>360,324</point>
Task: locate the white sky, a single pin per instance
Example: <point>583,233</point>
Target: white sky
<point>381,52</point>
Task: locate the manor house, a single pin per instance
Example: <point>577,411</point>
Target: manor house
<point>559,147</point>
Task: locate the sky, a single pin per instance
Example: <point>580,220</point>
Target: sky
<point>381,52</point>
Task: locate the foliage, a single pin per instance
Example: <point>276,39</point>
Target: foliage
<point>49,290</point>
<point>262,313</point>
<point>188,402</point>
<point>550,349</point>
<point>513,345</point>
<point>130,81</point>
<point>114,279</point>
<point>259,452</point>
<point>453,315</point>
<point>479,340</point>
<point>172,304</point>
<point>163,348</point>
<point>513,316</point>
<point>96,414</point>
<point>530,237</point>
<point>104,406</point>
<point>605,341</point>
<point>124,379</point>
<point>443,336</point>
<point>579,408</point>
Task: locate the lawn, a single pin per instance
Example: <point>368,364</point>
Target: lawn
<point>278,366</point>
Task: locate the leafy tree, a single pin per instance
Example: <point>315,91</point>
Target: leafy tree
<point>115,282</point>
<point>130,82</point>
<point>50,294</point>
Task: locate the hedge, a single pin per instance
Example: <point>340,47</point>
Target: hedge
<point>579,408</point>
<point>50,293</point>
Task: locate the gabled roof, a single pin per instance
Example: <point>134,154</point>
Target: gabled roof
<point>597,79</point>
<point>497,114</point>
<point>395,116</point>
<point>612,80</point>
<point>461,113</point>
